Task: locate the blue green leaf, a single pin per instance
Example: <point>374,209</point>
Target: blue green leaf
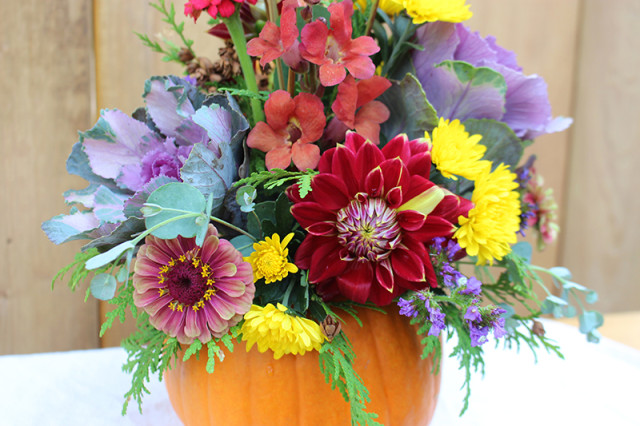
<point>103,286</point>
<point>179,196</point>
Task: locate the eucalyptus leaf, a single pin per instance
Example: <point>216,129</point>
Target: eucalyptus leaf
<point>591,297</point>
<point>523,249</point>
<point>245,197</point>
<point>180,196</point>
<point>103,286</point>
<point>590,320</point>
<point>556,300</point>
<point>109,256</point>
<point>569,311</point>
<point>568,285</point>
<point>243,244</point>
<point>561,271</point>
<point>122,275</point>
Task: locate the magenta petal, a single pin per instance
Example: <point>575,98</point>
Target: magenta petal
<point>411,220</point>
<point>209,248</point>
<point>191,326</point>
<point>232,287</point>
<point>331,190</point>
<point>322,229</point>
<point>223,306</point>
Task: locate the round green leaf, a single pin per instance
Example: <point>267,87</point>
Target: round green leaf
<point>178,196</point>
<point>591,297</point>
<point>103,286</point>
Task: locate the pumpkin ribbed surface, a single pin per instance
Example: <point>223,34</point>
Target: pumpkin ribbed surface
<point>251,388</point>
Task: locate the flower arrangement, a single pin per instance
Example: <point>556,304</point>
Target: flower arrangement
<point>338,157</point>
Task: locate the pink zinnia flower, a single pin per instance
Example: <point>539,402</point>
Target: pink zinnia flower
<point>292,124</point>
<point>334,50</point>
<point>369,217</point>
<point>192,292</point>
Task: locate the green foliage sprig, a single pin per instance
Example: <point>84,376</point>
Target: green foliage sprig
<point>278,177</point>
<point>336,363</point>
<point>170,51</point>
<point>79,273</point>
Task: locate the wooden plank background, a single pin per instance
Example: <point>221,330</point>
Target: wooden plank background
<point>59,68</point>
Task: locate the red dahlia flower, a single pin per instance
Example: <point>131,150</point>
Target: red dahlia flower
<point>292,124</point>
<point>334,50</point>
<point>369,217</point>
<point>356,109</point>
<point>192,292</point>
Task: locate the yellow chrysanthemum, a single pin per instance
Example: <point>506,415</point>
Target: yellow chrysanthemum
<point>437,10</point>
<point>269,260</point>
<point>271,328</point>
<point>390,7</point>
<point>492,224</point>
<point>454,152</point>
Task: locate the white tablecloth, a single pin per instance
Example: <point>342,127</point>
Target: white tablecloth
<point>594,385</point>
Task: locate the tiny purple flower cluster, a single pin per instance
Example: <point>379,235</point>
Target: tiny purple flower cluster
<point>453,278</point>
<point>480,324</point>
<point>436,316</point>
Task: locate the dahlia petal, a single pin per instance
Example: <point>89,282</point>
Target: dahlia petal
<point>434,226</point>
<point>355,281</point>
<point>452,206</point>
<point>398,147</point>
<point>307,213</point>
<point>326,161</point>
<point>379,296</point>
<point>305,250</point>
<point>411,220</point>
<point>331,190</point>
<point>394,197</point>
<point>342,165</point>
<point>279,158</point>
<point>425,202</point>
<point>325,261</point>
<point>332,74</point>
<point>395,174</point>
<point>408,265</point>
<point>305,155</point>
<point>385,275</point>
<point>374,183</point>
<point>368,156</point>
<point>420,164</point>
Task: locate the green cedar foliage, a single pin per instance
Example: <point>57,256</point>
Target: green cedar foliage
<point>278,177</point>
<point>336,363</point>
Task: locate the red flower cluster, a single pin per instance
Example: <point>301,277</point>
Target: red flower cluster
<point>291,125</point>
<point>225,8</point>
<point>369,217</point>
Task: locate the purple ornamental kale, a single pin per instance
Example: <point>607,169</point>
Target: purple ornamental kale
<point>524,106</point>
<point>180,135</point>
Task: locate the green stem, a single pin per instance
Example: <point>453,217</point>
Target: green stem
<point>235,228</point>
<point>372,17</point>
<point>237,36</point>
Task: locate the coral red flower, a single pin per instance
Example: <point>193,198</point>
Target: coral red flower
<point>225,8</point>
<point>356,109</point>
<point>292,124</point>
<point>369,217</point>
<point>334,50</point>
<point>275,41</point>
<point>192,292</point>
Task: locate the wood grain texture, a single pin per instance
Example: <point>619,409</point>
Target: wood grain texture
<point>45,82</point>
<point>123,64</point>
<point>602,236</point>
<point>545,44</point>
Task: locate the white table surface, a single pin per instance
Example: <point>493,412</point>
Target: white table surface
<point>594,385</point>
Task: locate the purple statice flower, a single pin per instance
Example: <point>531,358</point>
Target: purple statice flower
<point>407,308</point>
<point>436,317</point>
<point>521,101</point>
<point>481,322</point>
<point>471,285</point>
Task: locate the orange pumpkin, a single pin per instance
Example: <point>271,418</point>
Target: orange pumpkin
<point>251,388</point>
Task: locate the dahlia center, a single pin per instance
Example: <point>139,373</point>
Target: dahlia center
<point>188,281</point>
<point>368,229</point>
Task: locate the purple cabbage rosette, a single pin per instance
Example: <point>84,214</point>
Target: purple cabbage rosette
<point>180,135</point>
<point>465,76</point>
